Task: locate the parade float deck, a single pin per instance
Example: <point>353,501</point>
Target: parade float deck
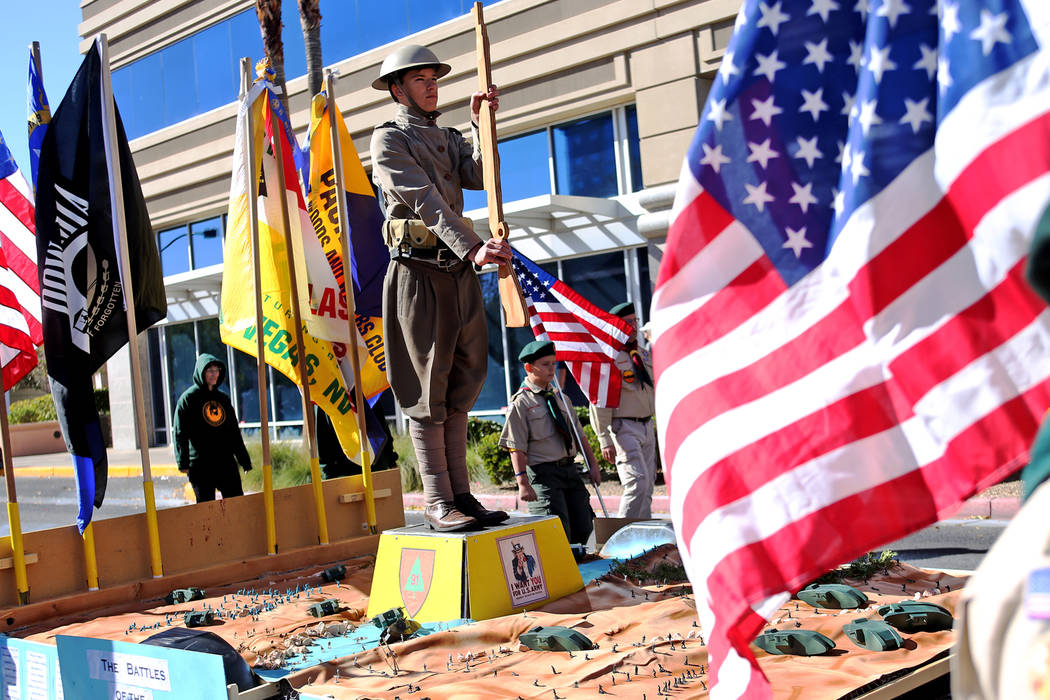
<point>648,641</point>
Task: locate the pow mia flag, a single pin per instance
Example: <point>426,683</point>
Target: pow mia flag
<point>84,318</point>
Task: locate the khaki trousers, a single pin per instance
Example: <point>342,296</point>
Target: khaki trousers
<point>436,338</point>
<point>636,464</point>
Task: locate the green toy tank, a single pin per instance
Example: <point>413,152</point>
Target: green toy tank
<point>876,635</point>
<point>555,639</point>
<point>836,596</point>
<point>915,616</point>
<point>325,607</point>
<point>796,642</point>
<point>184,595</point>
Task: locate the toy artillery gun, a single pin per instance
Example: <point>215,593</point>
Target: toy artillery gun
<point>395,626</point>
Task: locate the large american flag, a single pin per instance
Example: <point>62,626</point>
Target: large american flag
<point>845,346</point>
<point>586,338</point>
<point>20,327</point>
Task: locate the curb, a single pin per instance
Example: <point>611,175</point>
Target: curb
<point>1002,508</point>
<point>117,471</point>
<point>500,501</point>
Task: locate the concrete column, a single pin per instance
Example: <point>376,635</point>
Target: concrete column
<point>121,405</point>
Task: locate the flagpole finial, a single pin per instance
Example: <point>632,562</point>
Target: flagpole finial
<point>264,70</point>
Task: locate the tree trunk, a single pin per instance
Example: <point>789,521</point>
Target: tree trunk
<point>310,19</point>
<point>269,14</point>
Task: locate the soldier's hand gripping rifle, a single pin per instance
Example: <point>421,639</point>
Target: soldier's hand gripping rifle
<point>510,295</point>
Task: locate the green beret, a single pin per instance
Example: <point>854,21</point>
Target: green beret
<point>535,350</point>
<point>621,310</point>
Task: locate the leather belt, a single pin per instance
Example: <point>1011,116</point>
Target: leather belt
<point>636,420</point>
<point>443,258</point>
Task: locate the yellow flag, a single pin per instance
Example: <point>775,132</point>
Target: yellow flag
<point>316,360</point>
<point>367,261</point>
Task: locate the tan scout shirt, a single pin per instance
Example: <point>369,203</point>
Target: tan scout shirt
<point>530,427</point>
<point>637,400</point>
<point>422,169</point>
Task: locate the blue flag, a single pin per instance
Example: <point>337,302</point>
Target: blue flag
<point>39,113</point>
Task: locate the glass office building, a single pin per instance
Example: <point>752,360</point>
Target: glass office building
<point>600,99</point>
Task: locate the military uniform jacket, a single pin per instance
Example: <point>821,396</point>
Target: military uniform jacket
<point>422,169</point>
<point>530,427</point>
<point>637,399</point>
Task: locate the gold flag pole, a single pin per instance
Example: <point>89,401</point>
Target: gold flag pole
<point>13,518</point>
<point>309,429</point>
<point>351,304</point>
<point>116,201</point>
<point>264,404</point>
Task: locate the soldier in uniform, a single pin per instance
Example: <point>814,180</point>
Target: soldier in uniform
<point>539,435</point>
<point>435,331</point>
<point>626,433</point>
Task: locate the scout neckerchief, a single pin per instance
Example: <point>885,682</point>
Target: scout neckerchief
<point>639,366</point>
<point>552,409</point>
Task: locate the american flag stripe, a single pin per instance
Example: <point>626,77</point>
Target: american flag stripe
<point>894,363</point>
<point>587,339</point>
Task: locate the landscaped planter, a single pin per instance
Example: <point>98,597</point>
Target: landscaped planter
<point>36,438</point>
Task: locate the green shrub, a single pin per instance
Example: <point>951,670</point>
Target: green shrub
<point>37,410</point>
<point>102,400</point>
<point>477,428</point>
<point>608,469</point>
<point>495,459</point>
<point>406,462</point>
<point>290,462</point>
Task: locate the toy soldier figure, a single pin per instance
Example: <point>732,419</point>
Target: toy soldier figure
<point>435,331</point>
<point>625,433</point>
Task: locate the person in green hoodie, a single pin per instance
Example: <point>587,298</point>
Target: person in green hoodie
<point>208,442</point>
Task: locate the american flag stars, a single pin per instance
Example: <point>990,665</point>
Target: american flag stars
<point>801,77</point>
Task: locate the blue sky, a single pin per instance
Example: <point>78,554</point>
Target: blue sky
<point>53,23</point>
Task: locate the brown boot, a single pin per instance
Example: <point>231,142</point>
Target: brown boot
<point>444,517</point>
<point>467,504</point>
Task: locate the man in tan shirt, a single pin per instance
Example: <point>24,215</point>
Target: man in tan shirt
<point>434,322</point>
<point>626,433</point>
<point>539,432</point>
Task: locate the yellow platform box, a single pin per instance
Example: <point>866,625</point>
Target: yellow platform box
<point>477,574</point>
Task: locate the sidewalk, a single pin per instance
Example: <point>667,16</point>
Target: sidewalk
<point>1000,502</point>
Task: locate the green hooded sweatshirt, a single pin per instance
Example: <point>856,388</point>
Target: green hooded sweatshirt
<point>205,427</point>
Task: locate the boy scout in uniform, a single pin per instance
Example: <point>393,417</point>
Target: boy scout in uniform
<point>539,436</point>
<point>435,331</point>
<point>626,433</point>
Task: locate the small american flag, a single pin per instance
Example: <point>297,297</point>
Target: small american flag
<point>845,346</point>
<point>586,338</point>
<point>20,327</point>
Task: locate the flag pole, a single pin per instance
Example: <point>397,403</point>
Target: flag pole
<point>309,429</point>
<point>116,200</point>
<point>264,403</point>
<point>579,438</point>
<point>13,518</point>
<point>351,304</point>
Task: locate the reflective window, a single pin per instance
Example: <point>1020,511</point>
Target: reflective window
<point>633,148</point>
<point>524,170</point>
<point>206,237</point>
<point>174,250</point>
<point>156,386</point>
<point>145,103</point>
<point>215,66</point>
<point>246,378</point>
<point>182,357</point>
<point>180,83</point>
<point>585,157</point>
<point>202,72</point>
<point>600,279</point>
<point>288,402</point>
<point>208,341</point>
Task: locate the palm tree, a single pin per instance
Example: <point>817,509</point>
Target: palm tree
<point>269,14</point>
<point>310,20</point>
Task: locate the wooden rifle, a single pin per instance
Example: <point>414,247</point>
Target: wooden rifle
<point>510,296</point>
